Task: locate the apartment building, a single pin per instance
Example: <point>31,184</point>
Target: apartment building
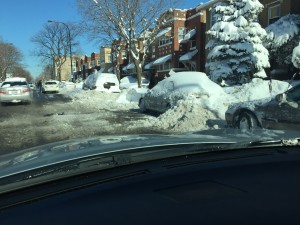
<point>66,74</point>
<point>180,43</point>
<point>105,59</point>
<point>95,61</point>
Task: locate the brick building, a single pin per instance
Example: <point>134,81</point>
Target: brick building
<point>180,43</point>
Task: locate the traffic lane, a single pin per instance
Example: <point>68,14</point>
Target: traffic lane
<point>25,126</point>
<point>39,97</point>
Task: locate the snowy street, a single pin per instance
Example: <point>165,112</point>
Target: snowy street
<point>54,117</point>
<point>76,113</point>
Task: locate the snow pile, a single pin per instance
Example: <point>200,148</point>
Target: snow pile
<point>103,100</point>
<point>256,89</point>
<point>131,95</point>
<point>186,116</point>
<point>190,114</point>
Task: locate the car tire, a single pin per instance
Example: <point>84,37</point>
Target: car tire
<point>142,105</point>
<point>3,103</point>
<point>247,121</point>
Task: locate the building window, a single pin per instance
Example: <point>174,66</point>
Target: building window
<point>181,33</point>
<point>193,43</point>
<point>165,66</point>
<point>123,54</point>
<point>109,58</point>
<point>165,40</point>
<point>213,18</point>
<point>153,52</point>
<point>273,14</point>
<point>98,62</point>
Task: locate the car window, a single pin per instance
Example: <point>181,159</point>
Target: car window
<point>50,83</point>
<point>293,94</point>
<point>20,83</point>
<point>143,68</point>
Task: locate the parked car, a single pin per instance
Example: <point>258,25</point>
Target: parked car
<point>131,82</point>
<point>50,86</point>
<point>67,84</point>
<point>106,82</point>
<point>181,85</point>
<point>32,86</point>
<point>281,112</point>
<point>15,90</point>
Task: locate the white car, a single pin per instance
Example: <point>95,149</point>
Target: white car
<point>131,82</point>
<point>181,85</point>
<point>15,90</point>
<point>105,82</point>
<point>50,86</point>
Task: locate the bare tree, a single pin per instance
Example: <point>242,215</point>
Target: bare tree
<point>19,71</point>
<point>53,43</point>
<point>131,20</point>
<point>10,57</point>
<point>47,73</point>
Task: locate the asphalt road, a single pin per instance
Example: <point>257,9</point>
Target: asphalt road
<point>54,117</point>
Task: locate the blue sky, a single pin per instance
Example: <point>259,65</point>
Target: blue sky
<point>21,19</point>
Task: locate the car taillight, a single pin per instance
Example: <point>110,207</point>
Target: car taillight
<point>26,90</point>
<point>3,92</point>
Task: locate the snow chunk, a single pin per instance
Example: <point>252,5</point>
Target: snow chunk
<point>296,57</point>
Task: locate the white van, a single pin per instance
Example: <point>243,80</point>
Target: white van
<point>106,82</point>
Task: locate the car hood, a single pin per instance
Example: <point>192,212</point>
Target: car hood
<point>64,151</point>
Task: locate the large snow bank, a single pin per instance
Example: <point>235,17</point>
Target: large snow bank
<point>186,115</point>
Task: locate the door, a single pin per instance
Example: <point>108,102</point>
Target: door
<point>284,114</point>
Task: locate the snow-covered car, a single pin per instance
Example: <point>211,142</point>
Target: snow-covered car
<point>15,90</point>
<point>50,86</point>
<point>281,112</point>
<point>131,82</point>
<point>105,82</point>
<point>181,85</point>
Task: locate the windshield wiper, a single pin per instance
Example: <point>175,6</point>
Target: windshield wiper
<point>279,142</point>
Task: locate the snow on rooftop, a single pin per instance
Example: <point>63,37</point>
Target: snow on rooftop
<point>188,56</point>
<point>162,59</point>
<point>163,31</point>
<point>188,36</point>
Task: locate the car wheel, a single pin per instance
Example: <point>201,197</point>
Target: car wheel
<point>247,120</point>
<point>3,103</point>
<point>142,105</point>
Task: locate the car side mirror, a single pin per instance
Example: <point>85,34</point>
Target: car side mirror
<point>280,97</point>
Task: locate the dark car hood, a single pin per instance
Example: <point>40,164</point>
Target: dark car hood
<point>75,149</point>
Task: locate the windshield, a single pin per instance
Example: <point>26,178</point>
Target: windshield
<point>16,83</point>
<point>224,73</point>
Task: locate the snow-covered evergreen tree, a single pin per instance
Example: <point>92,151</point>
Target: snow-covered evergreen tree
<point>282,37</point>
<point>236,53</point>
